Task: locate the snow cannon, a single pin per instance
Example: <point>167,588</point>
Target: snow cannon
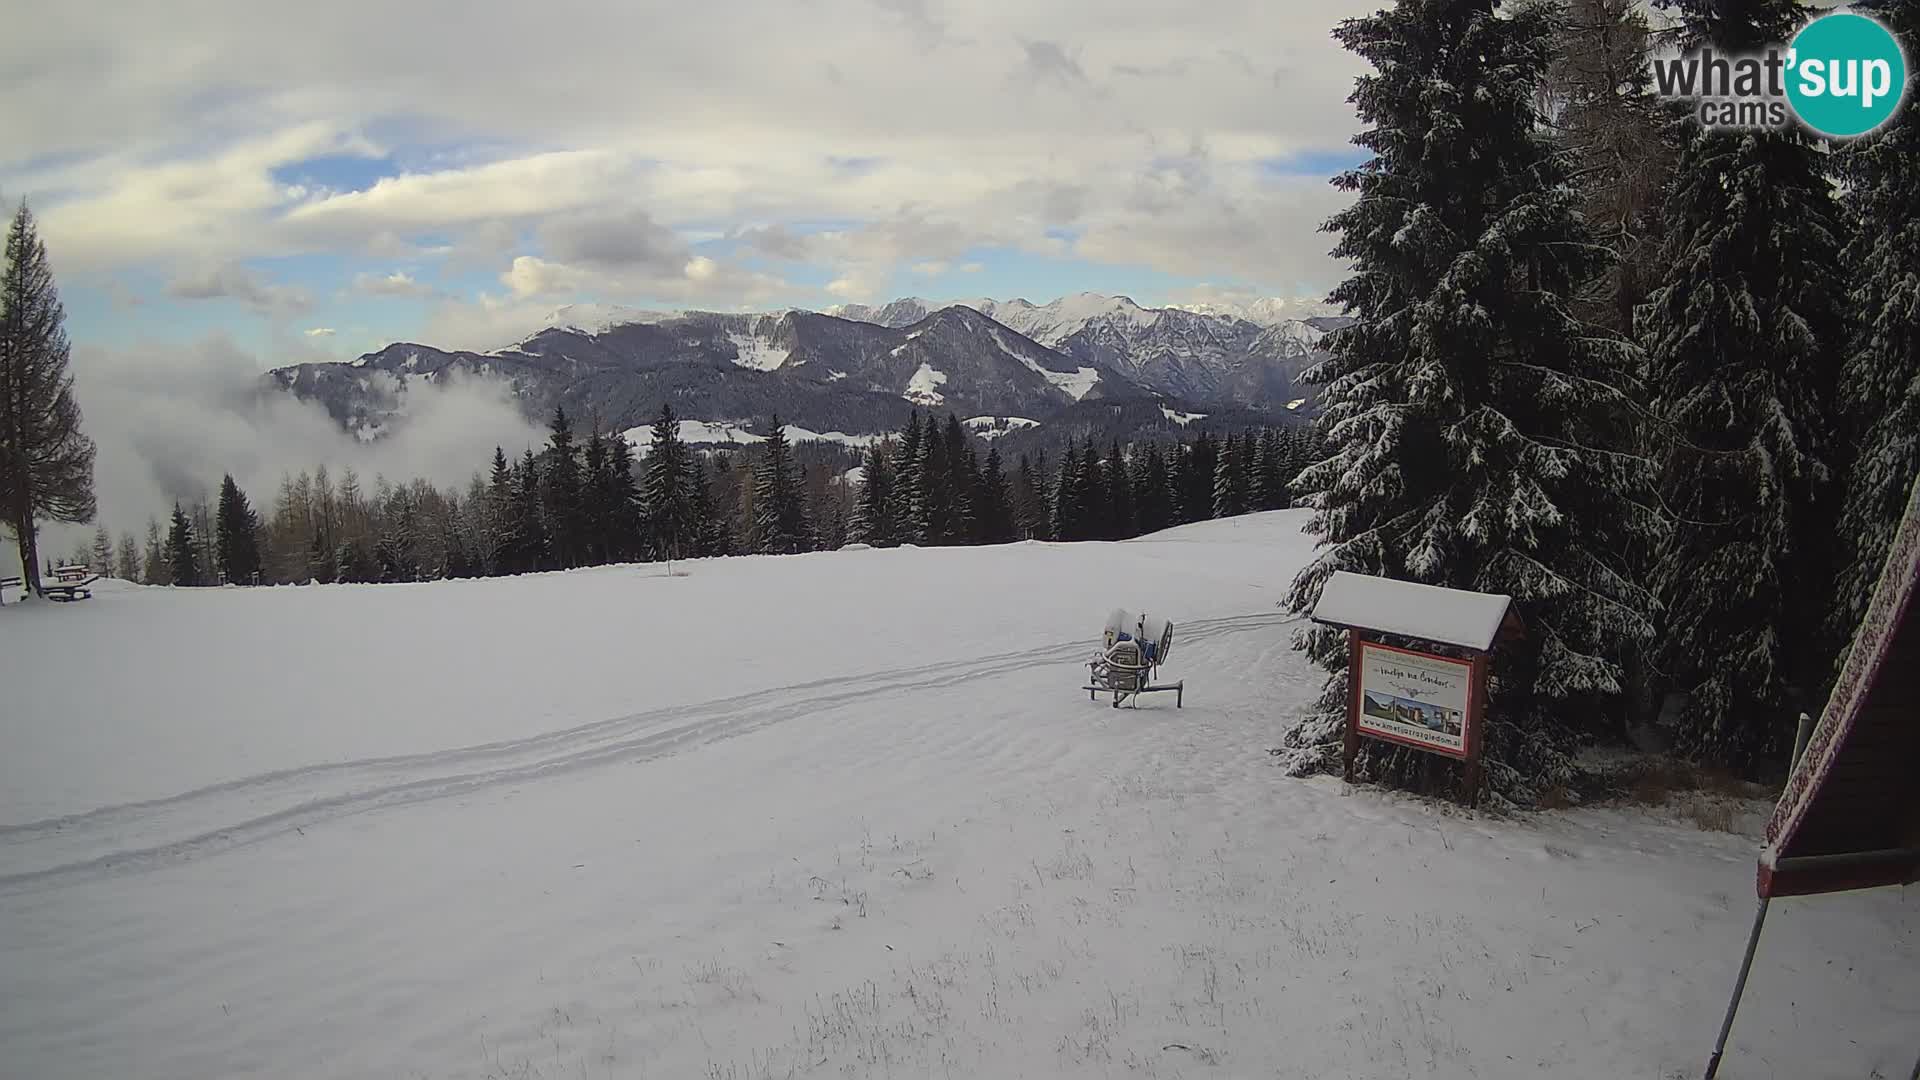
<point>1132,648</point>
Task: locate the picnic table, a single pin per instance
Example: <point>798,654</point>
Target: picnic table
<point>67,589</point>
<point>69,583</point>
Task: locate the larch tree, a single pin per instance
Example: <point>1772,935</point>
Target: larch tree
<point>127,558</point>
<point>101,556</point>
<point>1622,140</point>
<point>46,461</point>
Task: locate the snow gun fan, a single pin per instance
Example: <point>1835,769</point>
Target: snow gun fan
<point>1131,652</point>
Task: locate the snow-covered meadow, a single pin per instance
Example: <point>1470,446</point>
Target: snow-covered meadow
<point>837,814</point>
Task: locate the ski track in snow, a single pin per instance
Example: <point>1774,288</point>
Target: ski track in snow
<point>131,837</point>
<point>956,864</point>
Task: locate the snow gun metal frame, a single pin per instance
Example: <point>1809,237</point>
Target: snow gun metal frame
<point>1130,656</point>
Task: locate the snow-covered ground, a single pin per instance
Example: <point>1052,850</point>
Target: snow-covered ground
<point>840,814</point>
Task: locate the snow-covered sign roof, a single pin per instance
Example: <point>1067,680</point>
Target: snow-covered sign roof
<point>1850,815</point>
<point>1470,620</point>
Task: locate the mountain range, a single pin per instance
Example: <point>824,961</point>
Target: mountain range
<point>858,369</point>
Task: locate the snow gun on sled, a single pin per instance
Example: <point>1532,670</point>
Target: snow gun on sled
<point>1130,655</point>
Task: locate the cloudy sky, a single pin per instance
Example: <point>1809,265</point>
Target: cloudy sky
<point>229,186</point>
<point>321,179</point>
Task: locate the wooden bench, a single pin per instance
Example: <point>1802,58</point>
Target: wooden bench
<point>10,583</point>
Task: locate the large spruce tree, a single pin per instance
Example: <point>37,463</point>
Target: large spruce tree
<point>237,530</point>
<point>1152,498</point>
<point>1096,499</point>
<point>182,559</point>
<point>931,509</point>
<point>46,462</point>
<point>566,526</point>
<point>156,567</point>
<point>1230,480</point>
<point>1068,515</point>
<point>995,509</point>
<point>669,488</point>
<point>1121,518</point>
<point>957,500</point>
<point>1743,338</point>
<point>779,509</point>
<point>596,499</point>
<point>873,509</point>
<point>1476,430</point>
<point>529,522</point>
<point>1880,383</point>
<point>906,482</point>
<point>627,508</point>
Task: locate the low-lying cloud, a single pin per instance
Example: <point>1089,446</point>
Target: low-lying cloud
<point>170,422</point>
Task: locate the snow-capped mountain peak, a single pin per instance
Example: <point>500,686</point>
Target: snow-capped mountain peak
<point>1267,310</point>
<point>599,318</point>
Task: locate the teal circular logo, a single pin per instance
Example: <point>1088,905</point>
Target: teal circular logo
<point>1846,74</point>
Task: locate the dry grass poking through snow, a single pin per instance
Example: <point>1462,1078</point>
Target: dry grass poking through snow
<point>1711,799</point>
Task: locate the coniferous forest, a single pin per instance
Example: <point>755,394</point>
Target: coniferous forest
<point>1654,381</point>
<point>597,500</point>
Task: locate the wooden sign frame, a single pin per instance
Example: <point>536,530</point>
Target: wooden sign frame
<point>1455,627</point>
<point>1472,737</point>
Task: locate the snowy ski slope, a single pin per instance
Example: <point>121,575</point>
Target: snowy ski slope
<point>840,814</point>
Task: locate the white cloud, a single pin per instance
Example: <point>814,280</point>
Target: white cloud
<point>398,283</point>
<point>1136,125</point>
<point>320,331</point>
<point>533,276</point>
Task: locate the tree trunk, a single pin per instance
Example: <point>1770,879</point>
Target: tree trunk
<point>29,550</point>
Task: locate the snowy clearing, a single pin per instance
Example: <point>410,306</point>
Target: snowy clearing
<point>1076,384</point>
<point>921,388</point>
<point>812,816</point>
<point>757,352</point>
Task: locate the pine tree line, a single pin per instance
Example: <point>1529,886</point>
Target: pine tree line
<point>926,485</point>
<point>1606,361</point>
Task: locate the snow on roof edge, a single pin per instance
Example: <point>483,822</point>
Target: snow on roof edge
<point>1469,620</point>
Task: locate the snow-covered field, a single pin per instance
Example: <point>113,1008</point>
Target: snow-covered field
<point>841,814</point>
